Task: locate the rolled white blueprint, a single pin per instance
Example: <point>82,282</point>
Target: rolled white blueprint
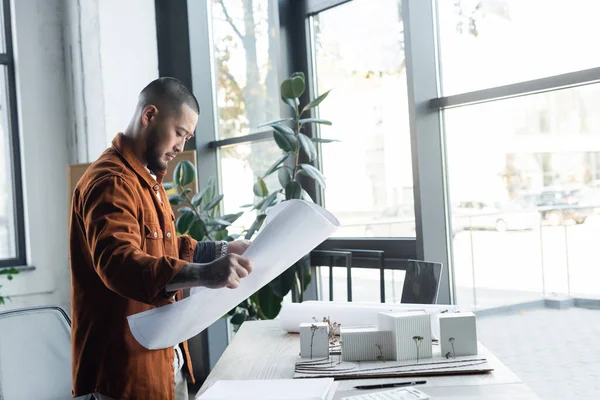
<point>352,313</point>
<point>292,229</point>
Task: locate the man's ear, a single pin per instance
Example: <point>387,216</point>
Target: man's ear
<point>148,114</point>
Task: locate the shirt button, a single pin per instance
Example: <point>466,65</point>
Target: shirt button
<point>155,234</point>
<point>156,188</point>
<point>168,235</point>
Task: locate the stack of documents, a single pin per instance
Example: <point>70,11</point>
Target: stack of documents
<point>276,389</point>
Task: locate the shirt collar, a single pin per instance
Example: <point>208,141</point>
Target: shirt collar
<point>123,147</point>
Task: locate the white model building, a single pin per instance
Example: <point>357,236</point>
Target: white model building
<point>314,340</point>
<point>411,331</point>
<point>367,344</point>
<point>458,334</point>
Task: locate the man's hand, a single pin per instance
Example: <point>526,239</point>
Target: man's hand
<point>237,246</point>
<point>226,271</point>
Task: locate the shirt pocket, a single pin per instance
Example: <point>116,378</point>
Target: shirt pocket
<point>154,239</point>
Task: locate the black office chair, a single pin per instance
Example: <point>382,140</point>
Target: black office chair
<point>421,282</point>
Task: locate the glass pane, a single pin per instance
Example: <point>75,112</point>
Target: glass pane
<point>486,43</point>
<point>240,166</point>
<point>359,54</point>
<point>2,27</point>
<point>7,222</point>
<point>246,53</point>
<point>524,179</point>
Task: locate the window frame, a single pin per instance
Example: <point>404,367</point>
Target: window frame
<point>295,34</point>
<point>7,60</point>
<point>432,242</point>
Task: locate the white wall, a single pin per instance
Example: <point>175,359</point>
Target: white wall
<point>129,57</point>
<point>80,66</point>
<point>83,67</point>
<point>111,57</point>
<point>41,94</point>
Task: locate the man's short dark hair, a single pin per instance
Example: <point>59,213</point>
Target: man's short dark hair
<point>168,92</point>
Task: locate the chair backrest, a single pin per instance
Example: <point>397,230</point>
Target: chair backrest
<point>35,354</point>
<point>421,282</point>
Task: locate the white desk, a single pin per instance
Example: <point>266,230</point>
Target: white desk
<point>262,350</point>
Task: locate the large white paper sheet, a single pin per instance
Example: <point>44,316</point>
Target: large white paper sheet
<point>292,229</point>
<point>353,313</point>
<point>271,389</point>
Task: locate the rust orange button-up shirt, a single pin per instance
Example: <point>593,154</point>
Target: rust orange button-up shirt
<point>123,252</point>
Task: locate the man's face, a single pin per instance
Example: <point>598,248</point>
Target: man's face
<point>167,134</point>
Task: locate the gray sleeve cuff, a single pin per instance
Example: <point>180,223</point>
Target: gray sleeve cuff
<point>205,252</point>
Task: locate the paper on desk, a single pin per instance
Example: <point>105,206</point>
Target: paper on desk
<point>292,229</point>
<point>353,314</point>
<point>272,389</point>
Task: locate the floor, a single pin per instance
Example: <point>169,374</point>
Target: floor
<point>555,352</point>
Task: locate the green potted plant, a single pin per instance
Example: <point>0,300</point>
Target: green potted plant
<point>9,272</point>
<point>289,136</point>
<point>199,215</point>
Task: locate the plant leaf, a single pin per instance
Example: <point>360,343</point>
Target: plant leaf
<point>268,201</point>
<point>315,102</point>
<point>197,230</point>
<point>213,203</point>
<point>321,140</point>
<point>218,221</point>
<point>232,217</point>
<point>283,129</point>
<point>297,85</point>
<point>259,204</point>
<point>275,122</point>
<point>197,199</point>
<point>9,271</point>
<point>286,142</point>
<point>293,190</point>
<point>285,176</point>
<point>291,103</point>
<point>302,269</point>
<point>308,146</point>
<point>306,196</point>
<point>175,199</point>
<point>277,164</point>
<point>183,209</point>
<point>168,185</point>
<point>300,74</point>
<point>287,91</point>
<point>255,225</point>
<point>282,285</point>
<point>184,222</point>
<point>270,304</point>
<point>314,121</point>
<point>220,235</point>
<point>314,173</point>
<point>184,173</point>
<point>260,188</point>
<point>238,318</point>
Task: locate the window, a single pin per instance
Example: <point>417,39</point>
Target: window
<point>539,187</point>
<point>12,239</point>
<point>359,53</point>
<point>487,43</point>
<point>240,165</point>
<point>368,107</point>
<point>246,51</point>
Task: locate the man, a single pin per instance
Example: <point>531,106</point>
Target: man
<point>126,258</point>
